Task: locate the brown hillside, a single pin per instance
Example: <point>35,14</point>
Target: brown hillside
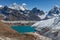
<point>8,32</point>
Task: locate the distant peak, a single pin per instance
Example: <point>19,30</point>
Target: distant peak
<point>1,6</point>
<point>56,6</point>
<point>14,3</point>
<point>35,8</point>
<point>24,4</point>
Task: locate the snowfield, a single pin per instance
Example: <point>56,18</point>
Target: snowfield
<point>44,23</point>
<point>49,28</point>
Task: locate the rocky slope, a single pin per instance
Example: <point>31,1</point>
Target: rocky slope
<point>20,12</point>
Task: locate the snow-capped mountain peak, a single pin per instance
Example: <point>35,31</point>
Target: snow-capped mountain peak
<point>22,7</point>
<point>1,6</point>
<point>24,4</point>
<point>14,4</point>
<point>55,11</point>
<point>56,6</point>
<point>18,7</point>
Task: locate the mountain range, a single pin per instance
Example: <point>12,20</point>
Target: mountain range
<point>16,12</point>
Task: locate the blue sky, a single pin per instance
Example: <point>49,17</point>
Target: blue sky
<point>40,4</point>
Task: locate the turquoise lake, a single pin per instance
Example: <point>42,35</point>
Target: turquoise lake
<point>23,29</point>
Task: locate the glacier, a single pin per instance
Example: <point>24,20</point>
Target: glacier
<point>49,27</point>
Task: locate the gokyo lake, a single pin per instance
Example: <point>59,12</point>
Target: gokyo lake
<point>23,29</point>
